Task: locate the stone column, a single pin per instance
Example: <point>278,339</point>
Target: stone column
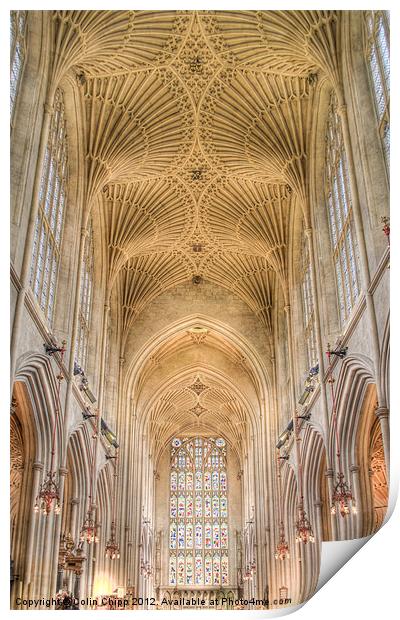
<point>57,532</point>
<point>72,526</point>
<point>334,525</point>
<point>318,333</point>
<point>382,413</point>
<point>33,523</point>
<point>355,488</point>
<point>318,514</point>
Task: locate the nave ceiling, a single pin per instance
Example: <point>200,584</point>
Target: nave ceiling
<point>196,137</point>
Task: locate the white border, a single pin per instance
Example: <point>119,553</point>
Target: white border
<point>368,585</point>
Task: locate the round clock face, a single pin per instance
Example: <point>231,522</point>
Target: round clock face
<point>176,442</point>
<point>220,442</point>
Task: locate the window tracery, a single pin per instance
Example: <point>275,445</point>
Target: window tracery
<point>86,294</point>
<point>308,304</point>
<point>198,536</point>
<point>340,212</point>
<point>378,57</point>
<point>50,218</point>
<point>17,53</point>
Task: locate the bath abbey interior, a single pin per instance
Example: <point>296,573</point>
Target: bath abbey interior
<point>200,260</point>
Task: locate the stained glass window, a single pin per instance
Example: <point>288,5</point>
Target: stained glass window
<point>308,304</point>
<point>50,218</point>
<point>85,307</point>
<point>340,215</point>
<point>17,53</point>
<point>378,57</point>
<point>198,540</point>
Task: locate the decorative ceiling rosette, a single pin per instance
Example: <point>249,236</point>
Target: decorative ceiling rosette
<point>196,64</point>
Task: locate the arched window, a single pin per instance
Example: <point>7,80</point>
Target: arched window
<point>378,57</point>
<point>85,306</point>
<point>52,201</point>
<point>198,536</point>
<point>340,210</point>
<point>308,304</point>
<point>17,53</point>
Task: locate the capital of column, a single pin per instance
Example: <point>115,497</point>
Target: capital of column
<point>287,308</point>
<point>329,473</point>
<point>74,501</point>
<point>48,108</point>
<point>354,469</point>
<point>308,232</point>
<point>318,505</point>
<point>121,361</point>
<point>37,466</point>
<point>382,413</point>
<point>63,471</point>
<point>84,232</point>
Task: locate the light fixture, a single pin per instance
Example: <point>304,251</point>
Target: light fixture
<point>342,498</point>
<point>89,530</point>
<point>304,531</point>
<point>112,547</point>
<point>282,548</point>
<point>49,492</point>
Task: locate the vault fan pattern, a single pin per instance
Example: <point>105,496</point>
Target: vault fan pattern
<point>196,145</point>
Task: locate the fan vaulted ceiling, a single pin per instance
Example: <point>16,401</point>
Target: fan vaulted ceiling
<point>196,141</point>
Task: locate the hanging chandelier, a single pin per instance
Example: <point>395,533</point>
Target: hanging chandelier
<point>89,530</point>
<point>282,548</point>
<point>112,547</point>
<point>304,532</point>
<point>49,491</point>
<point>342,498</point>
